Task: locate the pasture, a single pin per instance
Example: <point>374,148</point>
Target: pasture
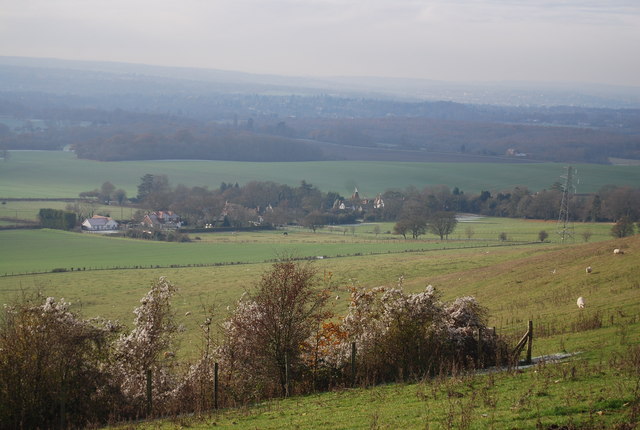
<point>47,174</point>
<point>515,281</point>
<point>44,250</point>
<point>217,268</point>
<point>597,388</point>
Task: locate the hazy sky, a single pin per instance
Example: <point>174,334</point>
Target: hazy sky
<point>455,40</point>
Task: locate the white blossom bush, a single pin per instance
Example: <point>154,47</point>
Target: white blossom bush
<point>244,373</point>
<point>466,320</point>
<point>194,392</point>
<point>54,366</point>
<point>399,335</point>
<point>148,347</point>
<point>396,334</point>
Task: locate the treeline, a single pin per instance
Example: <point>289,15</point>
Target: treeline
<point>532,140</point>
<point>269,203</point>
<point>219,144</point>
<point>281,128</point>
<point>117,137</point>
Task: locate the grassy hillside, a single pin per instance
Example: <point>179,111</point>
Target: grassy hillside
<point>516,283</point>
<point>27,251</point>
<point>41,174</point>
<point>578,393</point>
<point>597,387</point>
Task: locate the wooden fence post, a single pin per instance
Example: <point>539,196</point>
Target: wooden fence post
<point>529,341</point>
<point>149,393</point>
<point>286,375</point>
<point>215,385</point>
<point>63,401</point>
<point>479,352</point>
<point>353,363</point>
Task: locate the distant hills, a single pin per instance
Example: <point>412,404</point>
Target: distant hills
<point>114,111</point>
<point>122,77</point>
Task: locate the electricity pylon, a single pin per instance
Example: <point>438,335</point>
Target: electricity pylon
<point>565,226</point>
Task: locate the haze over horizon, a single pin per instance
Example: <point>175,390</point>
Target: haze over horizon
<point>580,41</point>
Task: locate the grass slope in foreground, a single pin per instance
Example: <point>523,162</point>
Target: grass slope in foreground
<point>599,387</point>
<point>580,393</point>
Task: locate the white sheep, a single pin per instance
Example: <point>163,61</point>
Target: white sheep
<point>580,302</point>
<point>618,251</point>
<point>588,269</point>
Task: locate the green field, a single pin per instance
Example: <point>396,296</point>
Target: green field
<point>92,283</point>
<point>43,174</point>
<point>597,388</point>
<point>29,251</point>
<point>516,283</point>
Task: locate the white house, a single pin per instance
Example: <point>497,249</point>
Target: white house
<point>99,223</point>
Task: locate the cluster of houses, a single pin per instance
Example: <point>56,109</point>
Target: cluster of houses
<point>169,220</point>
<point>356,203</point>
<point>157,220</point>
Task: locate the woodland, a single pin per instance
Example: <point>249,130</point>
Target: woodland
<point>112,116</point>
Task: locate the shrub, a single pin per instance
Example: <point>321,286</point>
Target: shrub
<point>52,371</point>
<point>400,336</point>
<point>396,334</point>
<point>265,334</point>
<point>148,347</point>
<point>543,235</point>
<point>623,228</point>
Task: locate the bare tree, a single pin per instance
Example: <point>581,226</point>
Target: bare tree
<point>623,228</point>
<point>376,230</point>
<point>442,224</point>
<point>314,220</point>
<point>469,232</point>
<point>264,335</point>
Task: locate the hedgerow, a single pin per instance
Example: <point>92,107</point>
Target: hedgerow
<point>59,370</point>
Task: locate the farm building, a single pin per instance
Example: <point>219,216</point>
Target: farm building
<point>99,223</point>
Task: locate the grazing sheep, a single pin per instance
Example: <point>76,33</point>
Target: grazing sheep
<point>580,302</point>
<point>618,251</point>
<point>588,269</point>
